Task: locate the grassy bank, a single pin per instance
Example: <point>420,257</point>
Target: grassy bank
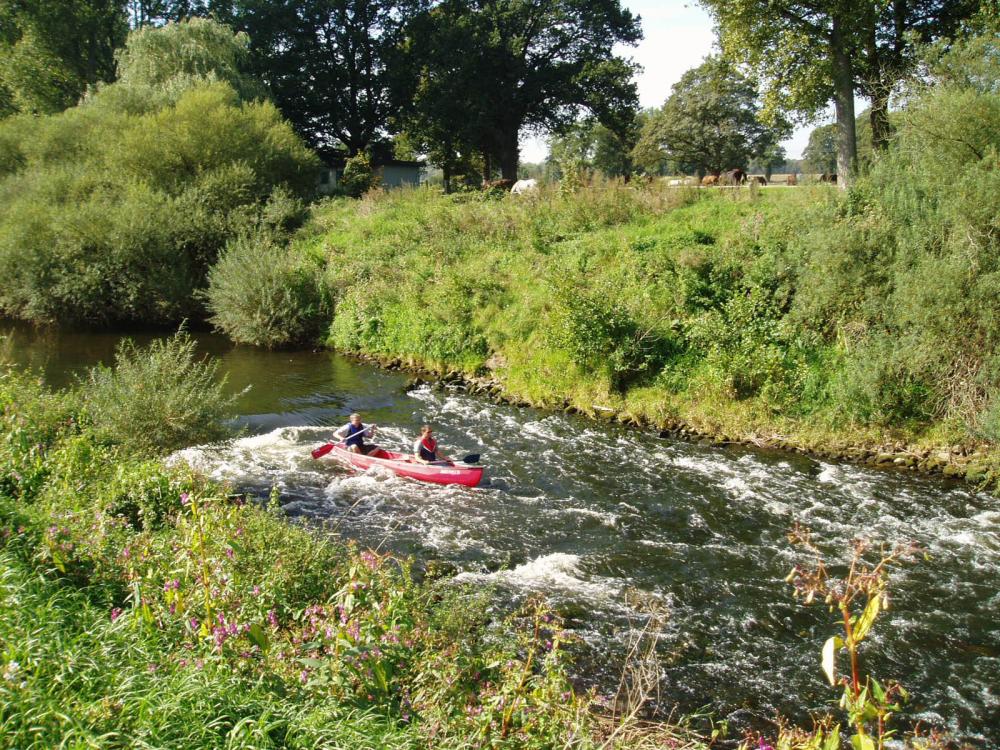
<point>730,314</point>
<point>141,605</point>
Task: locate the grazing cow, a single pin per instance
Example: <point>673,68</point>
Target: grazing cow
<point>524,186</point>
<point>791,180</point>
<point>827,177</point>
<point>759,179</point>
<point>709,180</point>
<point>733,177</point>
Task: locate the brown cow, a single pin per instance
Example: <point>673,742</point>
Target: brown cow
<point>791,180</point>
<point>709,180</point>
<point>759,179</point>
<point>827,177</point>
<point>502,186</point>
<point>733,177</point>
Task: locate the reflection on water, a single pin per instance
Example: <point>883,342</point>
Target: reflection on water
<point>587,512</point>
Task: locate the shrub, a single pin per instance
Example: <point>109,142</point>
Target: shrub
<point>601,335</point>
<point>157,399</point>
<point>359,176</point>
<point>31,421</point>
<point>261,292</point>
<point>114,210</point>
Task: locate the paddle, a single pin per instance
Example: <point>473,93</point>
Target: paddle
<point>322,450</point>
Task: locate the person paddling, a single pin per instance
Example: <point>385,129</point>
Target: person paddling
<point>425,448</point>
<point>353,435</point>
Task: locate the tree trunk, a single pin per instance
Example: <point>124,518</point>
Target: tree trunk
<point>510,154</point>
<point>487,166</point>
<point>446,173</point>
<point>879,116</point>
<point>879,84</point>
<point>843,84</point>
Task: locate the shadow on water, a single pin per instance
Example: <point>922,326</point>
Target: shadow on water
<point>587,513</point>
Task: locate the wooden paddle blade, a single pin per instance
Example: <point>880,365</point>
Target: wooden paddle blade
<point>322,450</point>
<point>472,458</point>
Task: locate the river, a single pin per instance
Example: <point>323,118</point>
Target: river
<point>598,517</point>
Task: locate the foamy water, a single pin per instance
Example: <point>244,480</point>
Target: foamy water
<point>584,514</point>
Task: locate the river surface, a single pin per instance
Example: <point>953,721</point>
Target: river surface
<point>605,521</point>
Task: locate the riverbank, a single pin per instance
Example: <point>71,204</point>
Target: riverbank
<point>700,314</point>
<point>977,464</point>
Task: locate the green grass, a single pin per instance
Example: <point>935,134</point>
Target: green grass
<point>750,314</point>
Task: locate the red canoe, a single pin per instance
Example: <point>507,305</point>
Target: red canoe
<point>404,465</point>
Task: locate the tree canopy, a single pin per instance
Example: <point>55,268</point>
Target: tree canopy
<point>52,50</point>
<point>507,66</point>
<point>327,63</point>
<point>711,121</point>
<point>807,53</point>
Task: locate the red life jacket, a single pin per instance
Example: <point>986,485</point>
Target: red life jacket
<point>428,449</point>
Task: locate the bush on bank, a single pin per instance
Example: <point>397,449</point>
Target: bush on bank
<point>114,210</point>
<point>262,294</point>
<point>157,399</point>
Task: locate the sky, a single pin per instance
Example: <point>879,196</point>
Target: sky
<point>677,36</point>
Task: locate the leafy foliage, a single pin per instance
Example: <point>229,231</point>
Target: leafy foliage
<point>158,399</point>
<point>259,294</point>
<point>556,57</point>
<point>710,122</point>
<point>52,50</point>
<point>114,210</point>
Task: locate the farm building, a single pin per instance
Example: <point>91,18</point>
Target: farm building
<point>392,173</point>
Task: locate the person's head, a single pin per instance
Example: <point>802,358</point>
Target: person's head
<point>425,430</point>
<point>355,419</point>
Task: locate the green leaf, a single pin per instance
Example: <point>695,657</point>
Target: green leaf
<point>257,636</point>
<point>312,663</point>
<point>868,618</point>
<point>832,741</point>
<point>829,657</point>
<point>878,692</point>
<point>862,742</point>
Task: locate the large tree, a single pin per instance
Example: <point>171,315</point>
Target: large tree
<point>807,52</point>
<point>893,30</point>
<point>523,65</point>
<point>52,50</point>
<point>711,121</point>
<point>326,62</point>
<point>436,94</point>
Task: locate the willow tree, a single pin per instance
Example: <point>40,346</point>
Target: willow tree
<point>52,50</point>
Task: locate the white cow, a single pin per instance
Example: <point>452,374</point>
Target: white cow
<point>524,186</point>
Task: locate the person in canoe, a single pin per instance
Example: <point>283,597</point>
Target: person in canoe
<point>425,448</point>
<point>353,435</point>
